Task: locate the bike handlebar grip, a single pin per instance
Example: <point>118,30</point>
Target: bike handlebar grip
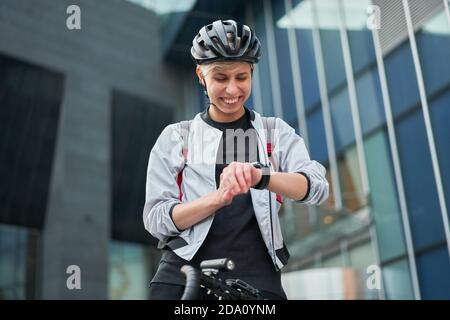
<point>192,283</point>
<point>220,264</point>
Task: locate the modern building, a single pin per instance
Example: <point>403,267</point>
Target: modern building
<point>86,88</point>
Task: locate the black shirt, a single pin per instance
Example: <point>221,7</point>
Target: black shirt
<point>234,232</point>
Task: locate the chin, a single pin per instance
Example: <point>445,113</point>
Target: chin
<point>230,110</point>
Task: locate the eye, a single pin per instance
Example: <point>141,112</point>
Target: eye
<point>220,79</point>
<point>241,78</point>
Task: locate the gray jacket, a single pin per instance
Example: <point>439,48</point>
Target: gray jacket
<point>166,160</point>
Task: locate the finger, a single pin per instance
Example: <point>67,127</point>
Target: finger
<point>256,175</point>
<point>227,196</point>
<point>231,183</point>
<point>239,174</point>
<point>230,174</point>
<point>224,178</point>
<point>234,184</point>
<point>233,192</point>
<point>248,175</point>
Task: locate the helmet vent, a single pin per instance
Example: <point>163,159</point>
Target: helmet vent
<point>225,40</point>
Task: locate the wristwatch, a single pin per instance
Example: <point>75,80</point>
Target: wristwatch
<point>265,178</point>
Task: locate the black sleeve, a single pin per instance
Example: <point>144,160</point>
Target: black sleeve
<point>171,211</point>
<point>309,186</point>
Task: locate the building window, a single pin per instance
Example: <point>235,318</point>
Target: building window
<point>131,268</point>
<point>18,262</point>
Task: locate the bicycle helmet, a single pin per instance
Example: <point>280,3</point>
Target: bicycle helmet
<point>225,40</point>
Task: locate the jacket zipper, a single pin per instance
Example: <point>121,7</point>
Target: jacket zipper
<point>271,232</point>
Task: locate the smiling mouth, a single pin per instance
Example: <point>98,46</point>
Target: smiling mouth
<point>230,100</point>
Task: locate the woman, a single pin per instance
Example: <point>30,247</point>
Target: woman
<point>225,202</point>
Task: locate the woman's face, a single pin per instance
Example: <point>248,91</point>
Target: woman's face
<point>228,84</point>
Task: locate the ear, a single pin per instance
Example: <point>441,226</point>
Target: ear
<point>198,71</point>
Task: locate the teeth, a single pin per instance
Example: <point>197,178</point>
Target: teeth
<point>231,101</point>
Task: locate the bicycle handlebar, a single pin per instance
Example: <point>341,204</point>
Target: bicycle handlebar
<point>192,282</point>
<point>231,289</point>
<point>219,264</point>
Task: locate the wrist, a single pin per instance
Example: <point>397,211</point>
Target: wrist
<point>265,176</point>
<point>216,202</point>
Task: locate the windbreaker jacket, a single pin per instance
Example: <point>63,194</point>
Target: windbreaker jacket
<point>166,160</point>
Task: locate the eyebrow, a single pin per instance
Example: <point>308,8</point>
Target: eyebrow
<point>218,73</point>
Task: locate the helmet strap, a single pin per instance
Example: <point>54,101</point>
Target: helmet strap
<point>205,91</point>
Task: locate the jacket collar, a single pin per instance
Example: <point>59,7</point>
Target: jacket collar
<point>204,114</point>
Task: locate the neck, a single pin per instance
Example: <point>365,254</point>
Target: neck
<point>219,116</point>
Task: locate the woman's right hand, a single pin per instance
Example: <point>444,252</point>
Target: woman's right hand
<point>235,179</point>
<point>225,195</point>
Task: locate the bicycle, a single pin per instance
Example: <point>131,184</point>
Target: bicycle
<point>208,279</point>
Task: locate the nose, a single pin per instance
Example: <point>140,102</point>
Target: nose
<point>232,88</point>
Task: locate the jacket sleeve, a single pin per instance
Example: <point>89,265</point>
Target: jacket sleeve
<point>293,157</point>
<point>162,192</point>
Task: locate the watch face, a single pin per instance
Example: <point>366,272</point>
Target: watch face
<point>257,165</point>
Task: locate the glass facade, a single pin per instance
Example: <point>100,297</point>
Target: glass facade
<point>328,74</point>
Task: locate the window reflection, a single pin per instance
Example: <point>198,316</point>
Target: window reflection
<point>339,275</point>
<point>437,25</point>
<point>300,16</point>
<point>164,7</point>
<point>131,267</point>
<point>304,221</point>
<point>352,196</point>
<point>18,252</point>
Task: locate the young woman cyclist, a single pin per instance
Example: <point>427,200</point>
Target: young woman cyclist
<point>213,191</point>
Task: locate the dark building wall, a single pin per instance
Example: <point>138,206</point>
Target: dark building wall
<point>117,48</point>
